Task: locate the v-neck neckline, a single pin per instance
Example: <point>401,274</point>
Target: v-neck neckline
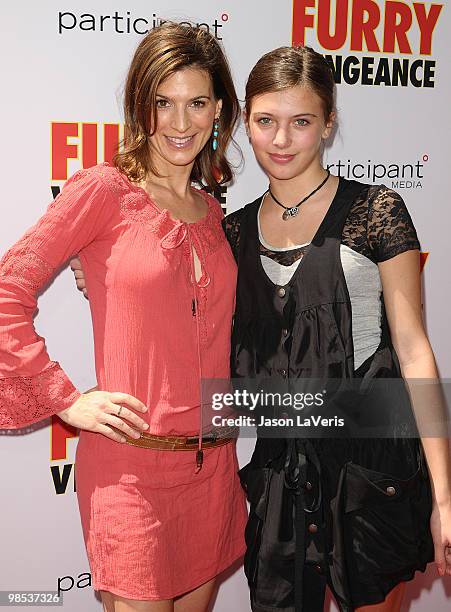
<point>318,233</point>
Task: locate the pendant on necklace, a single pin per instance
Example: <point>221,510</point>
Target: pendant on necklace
<point>290,212</point>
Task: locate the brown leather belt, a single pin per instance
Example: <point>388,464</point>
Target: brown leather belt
<point>183,443</point>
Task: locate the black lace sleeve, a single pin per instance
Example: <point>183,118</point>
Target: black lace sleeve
<point>390,228</point>
<point>231,225</point>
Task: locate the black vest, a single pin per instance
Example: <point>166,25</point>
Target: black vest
<point>303,329</point>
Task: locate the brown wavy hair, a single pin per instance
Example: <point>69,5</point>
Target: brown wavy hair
<point>290,66</point>
<point>165,50</point>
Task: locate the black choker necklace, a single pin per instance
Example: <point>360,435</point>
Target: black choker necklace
<point>292,211</point>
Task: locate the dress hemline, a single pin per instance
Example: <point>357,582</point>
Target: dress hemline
<point>380,598</point>
<point>198,583</point>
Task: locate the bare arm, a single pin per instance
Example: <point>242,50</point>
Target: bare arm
<point>400,277</point>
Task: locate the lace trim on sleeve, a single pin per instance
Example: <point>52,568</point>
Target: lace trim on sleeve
<point>390,227</point>
<point>24,267</point>
<point>231,225</point>
<point>378,225</point>
<point>28,399</point>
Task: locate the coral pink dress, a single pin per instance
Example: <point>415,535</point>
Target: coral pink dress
<point>153,527</point>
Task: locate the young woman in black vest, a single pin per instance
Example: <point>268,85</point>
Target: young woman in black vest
<point>329,288</point>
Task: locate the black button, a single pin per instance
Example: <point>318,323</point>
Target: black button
<point>285,332</point>
<point>319,569</point>
<point>308,486</point>
<point>284,373</point>
<point>281,292</point>
<point>313,528</point>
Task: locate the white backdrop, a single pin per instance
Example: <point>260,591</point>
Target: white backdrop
<point>70,68</point>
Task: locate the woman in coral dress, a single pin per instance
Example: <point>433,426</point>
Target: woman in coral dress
<point>161,506</point>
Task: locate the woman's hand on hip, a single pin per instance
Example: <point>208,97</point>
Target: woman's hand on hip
<point>75,266</point>
<point>111,414</point>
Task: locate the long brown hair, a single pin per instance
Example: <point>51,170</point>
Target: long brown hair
<point>165,50</point>
<point>290,66</point>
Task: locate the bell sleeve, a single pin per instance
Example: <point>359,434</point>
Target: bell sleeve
<point>390,227</point>
<point>32,386</point>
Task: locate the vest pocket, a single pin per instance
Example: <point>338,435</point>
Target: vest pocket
<point>385,523</point>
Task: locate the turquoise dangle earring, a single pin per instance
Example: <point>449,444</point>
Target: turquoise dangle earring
<point>215,134</point>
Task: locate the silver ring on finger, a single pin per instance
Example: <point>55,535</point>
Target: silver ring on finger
<point>119,411</point>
